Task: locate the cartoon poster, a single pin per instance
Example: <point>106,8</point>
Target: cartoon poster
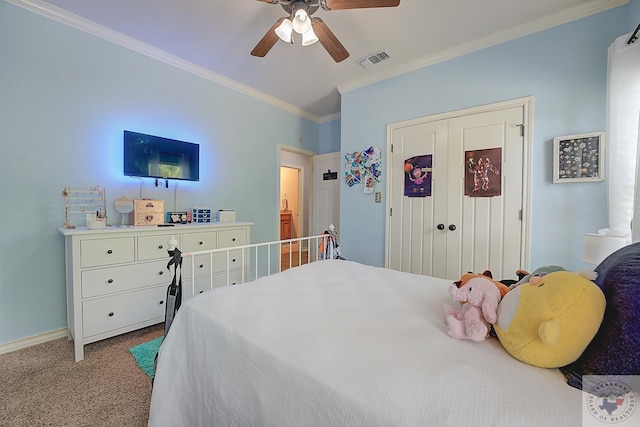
<point>483,170</point>
<point>361,165</point>
<point>417,176</point>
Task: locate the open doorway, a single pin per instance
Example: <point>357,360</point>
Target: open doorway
<point>294,202</point>
<point>289,202</point>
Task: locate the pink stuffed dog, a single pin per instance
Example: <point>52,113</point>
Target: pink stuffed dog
<point>473,320</point>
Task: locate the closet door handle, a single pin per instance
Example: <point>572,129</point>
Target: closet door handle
<point>440,226</point>
<point>452,227</point>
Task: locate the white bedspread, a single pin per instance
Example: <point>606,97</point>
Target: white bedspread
<point>337,343</point>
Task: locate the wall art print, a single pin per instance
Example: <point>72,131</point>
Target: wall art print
<point>482,177</point>
<point>363,166</point>
<point>578,158</point>
<point>417,176</point>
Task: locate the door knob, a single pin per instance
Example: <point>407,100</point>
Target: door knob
<point>452,227</point>
<point>440,226</point>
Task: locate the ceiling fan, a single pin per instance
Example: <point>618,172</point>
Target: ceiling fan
<point>311,29</point>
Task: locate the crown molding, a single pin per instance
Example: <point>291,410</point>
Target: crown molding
<point>64,17</point>
<point>330,117</point>
<point>569,15</point>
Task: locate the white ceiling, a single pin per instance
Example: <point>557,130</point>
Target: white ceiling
<point>218,35</point>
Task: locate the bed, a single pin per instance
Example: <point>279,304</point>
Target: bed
<point>338,343</point>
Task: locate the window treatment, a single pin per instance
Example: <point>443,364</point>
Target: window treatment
<point>623,113</point>
<point>623,121</point>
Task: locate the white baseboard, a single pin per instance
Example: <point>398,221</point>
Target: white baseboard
<point>32,340</point>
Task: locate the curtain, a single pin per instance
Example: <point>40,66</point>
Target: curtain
<point>623,113</point>
<point>623,122</point>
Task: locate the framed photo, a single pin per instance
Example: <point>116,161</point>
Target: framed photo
<point>578,158</point>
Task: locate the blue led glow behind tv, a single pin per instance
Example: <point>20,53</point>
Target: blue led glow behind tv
<point>151,156</point>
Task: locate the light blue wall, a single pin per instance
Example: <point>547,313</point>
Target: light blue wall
<point>329,137</point>
<point>563,68</point>
<point>633,15</point>
<point>65,98</point>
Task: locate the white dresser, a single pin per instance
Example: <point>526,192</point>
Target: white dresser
<point>117,277</point>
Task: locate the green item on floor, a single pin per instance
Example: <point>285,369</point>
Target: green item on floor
<point>145,355</point>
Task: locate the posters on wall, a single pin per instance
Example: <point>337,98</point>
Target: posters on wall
<point>363,167</point>
<point>417,176</point>
<point>482,177</point>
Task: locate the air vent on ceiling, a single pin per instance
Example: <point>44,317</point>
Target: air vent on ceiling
<point>374,58</point>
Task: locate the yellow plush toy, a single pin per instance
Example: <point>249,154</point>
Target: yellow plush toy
<point>550,321</point>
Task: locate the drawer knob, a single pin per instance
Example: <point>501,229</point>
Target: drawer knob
<point>161,302</point>
<point>110,281</point>
<point>160,246</point>
<point>233,239</point>
<point>201,265</point>
<point>200,292</point>
<point>160,272</point>
<point>233,260</point>
<point>201,242</point>
<point>111,314</point>
<point>109,251</point>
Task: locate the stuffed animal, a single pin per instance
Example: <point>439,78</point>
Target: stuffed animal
<point>549,322</point>
<point>538,272</point>
<point>473,321</point>
<point>487,275</point>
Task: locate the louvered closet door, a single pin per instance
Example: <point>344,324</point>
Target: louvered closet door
<point>448,233</point>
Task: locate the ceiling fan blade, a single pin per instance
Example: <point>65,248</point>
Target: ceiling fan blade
<point>359,4</point>
<point>329,40</point>
<point>268,41</point>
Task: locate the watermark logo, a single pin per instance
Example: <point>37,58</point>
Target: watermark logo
<point>610,400</point>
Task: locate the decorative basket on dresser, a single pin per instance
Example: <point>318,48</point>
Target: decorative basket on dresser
<point>117,277</point>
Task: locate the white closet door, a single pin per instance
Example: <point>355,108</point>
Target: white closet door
<point>449,233</point>
<point>415,245</point>
<point>488,231</point>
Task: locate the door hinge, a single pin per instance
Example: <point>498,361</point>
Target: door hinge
<point>390,211</point>
<point>520,215</point>
<point>521,126</point>
<point>391,148</point>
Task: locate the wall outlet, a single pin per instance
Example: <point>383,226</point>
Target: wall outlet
<point>378,197</point>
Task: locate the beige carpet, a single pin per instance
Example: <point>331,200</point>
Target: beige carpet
<point>43,386</point>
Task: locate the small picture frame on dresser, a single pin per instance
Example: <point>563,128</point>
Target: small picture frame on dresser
<point>578,158</point>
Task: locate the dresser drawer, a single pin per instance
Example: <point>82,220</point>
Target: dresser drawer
<point>230,238</point>
<point>235,260</point>
<point>122,310</point>
<point>192,242</point>
<point>202,266</point>
<point>203,284</point>
<point>154,247</point>
<point>105,281</point>
<point>94,253</point>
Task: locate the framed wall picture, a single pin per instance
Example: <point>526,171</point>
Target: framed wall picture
<point>578,158</point>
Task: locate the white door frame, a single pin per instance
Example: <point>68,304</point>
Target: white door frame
<point>527,104</point>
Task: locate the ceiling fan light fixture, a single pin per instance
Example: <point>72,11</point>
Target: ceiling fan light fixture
<point>309,37</point>
<point>301,21</point>
<point>284,30</point>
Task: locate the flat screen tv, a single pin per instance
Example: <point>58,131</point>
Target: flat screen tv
<point>150,156</point>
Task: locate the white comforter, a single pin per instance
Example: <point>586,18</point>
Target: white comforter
<point>337,343</point>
